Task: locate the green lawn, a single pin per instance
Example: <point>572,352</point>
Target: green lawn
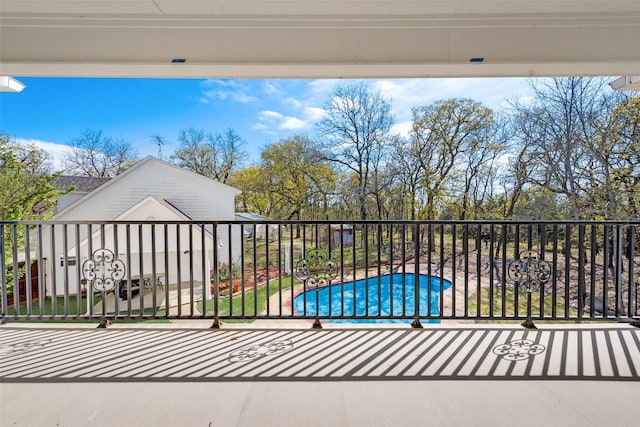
<point>73,310</point>
<point>59,306</point>
<point>510,304</point>
<point>234,306</point>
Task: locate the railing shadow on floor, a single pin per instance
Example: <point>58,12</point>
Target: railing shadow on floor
<point>51,355</point>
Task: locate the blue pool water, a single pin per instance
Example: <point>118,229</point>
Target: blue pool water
<point>384,298</point>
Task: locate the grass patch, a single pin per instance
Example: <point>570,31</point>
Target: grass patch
<point>48,306</point>
<point>255,301</point>
<point>509,301</point>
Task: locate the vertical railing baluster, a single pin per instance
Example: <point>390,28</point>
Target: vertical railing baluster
<point>631,295</point>
<point>554,274</point>
<point>230,258</point>
<point>354,268</point>
<point>90,290</point>
<point>342,269</point>
<point>390,287</point>
<point>567,268</point>
<point>592,280</point>
<point>581,271</point>
<point>403,252</point>
<point>542,228</point>
<point>27,264</point>
<point>141,269</point>
<point>516,255</point>
<point>167,270</point>
<point>179,266</point>
<point>454,268</point>
<point>279,260</point>
<point>379,269</point>
<point>304,282</point>
<point>503,273</point>
<point>42,288</point>
<point>216,277</point>
<point>330,253</point>
<point>243,273</point>
<point>267,268</point>
<point>291,265</point>
<point>203,268</point>
<point>117,255</point>
<point>53,265</point>
<point>255,271</point>
<point>465,249</point>
<point>416,279</point>
<point>78,272</point>
<point>154,271</point>
<point>127,285</point>
<point>618,271</point>
<point>366,270</point>
<point>4,286</point>
<point>65,266</point>
<point>492,238</point>
<point>478,270</point>
<point>191,275</point>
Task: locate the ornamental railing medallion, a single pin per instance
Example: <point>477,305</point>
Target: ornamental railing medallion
<point>529,272</point>
<point>103,270</point>
<point>317,269</point>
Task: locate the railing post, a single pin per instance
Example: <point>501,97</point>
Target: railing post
<point>416,279</point>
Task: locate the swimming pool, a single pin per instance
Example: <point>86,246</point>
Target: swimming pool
<point>375,296</point>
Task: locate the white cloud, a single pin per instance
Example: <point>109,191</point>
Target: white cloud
<point>271,89</point>
<point>408,93</point>
<point>224,90</point>
<point>269,116</point>
<point>313,114</point>
<point>293,102</point>
<point>57,152</point>
<point>326,86</point>
<point>274,121</point>
<point>292,123</point>
<point>403,129</point>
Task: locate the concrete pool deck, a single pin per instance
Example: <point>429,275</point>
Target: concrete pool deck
<point>183,374</point>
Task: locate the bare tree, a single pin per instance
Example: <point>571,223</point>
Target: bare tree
<point>94,154</point>
<point>356,128</point>
<point>443,134</point>
<point>557,128</point>
<point>215,156</point>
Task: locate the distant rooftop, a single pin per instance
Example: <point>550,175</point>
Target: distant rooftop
<point>84,184</point>
<point>248,216</point>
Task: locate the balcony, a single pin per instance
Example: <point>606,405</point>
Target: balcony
<point>396,301</point>
<point>353,271</point>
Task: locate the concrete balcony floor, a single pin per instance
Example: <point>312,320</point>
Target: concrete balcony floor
<point>184,374</point>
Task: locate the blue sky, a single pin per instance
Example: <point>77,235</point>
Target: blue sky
<point>52,112</point>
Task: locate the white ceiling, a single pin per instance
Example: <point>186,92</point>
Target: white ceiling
<point>319,38</point>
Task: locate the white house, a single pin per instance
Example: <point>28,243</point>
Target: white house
<point>150,191</point>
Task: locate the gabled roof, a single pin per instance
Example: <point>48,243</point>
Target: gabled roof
<point>151,159</point>
<point>82,184</point>
<point>249,216</point>
<point>138,165</point>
